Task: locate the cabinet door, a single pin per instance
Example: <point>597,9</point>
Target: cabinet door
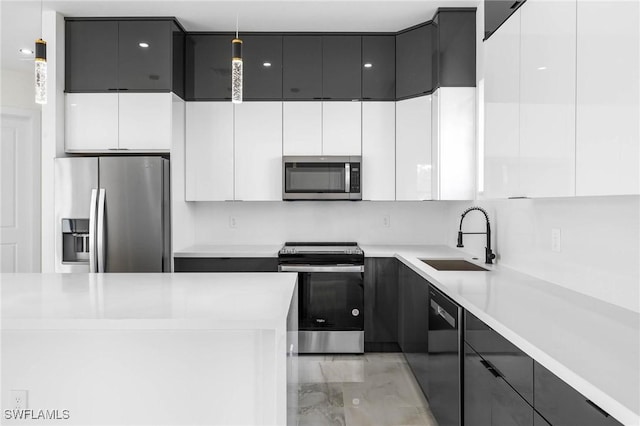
<point>341,67</point>
<point>302,128</point>
<point>496,12</point>
<point>547,98</point>
<point>341,128</point>
<point>379,151</point>
<point>379,67</point>
<point>456,49</point>
<point>414,69</point>
<point>208,67</point>
<point>91,56</point>
<point>413,149</point>
<point>478,384</point>
<point>302,67</point>
<point>178,46</point>
<point>508,408</point>
<point>538,420</point>
<point>262,57</point>
<point>381,300</point>
<point>144,121</point>
<point>209,151</point>
<point>145,68</point>
<point>608,98</point>
<point>413,327</point>
<point>91,121</point>
<point>225,264</point>
<point>562,405</point>
<point>501,105</point>
<point>258,151</point>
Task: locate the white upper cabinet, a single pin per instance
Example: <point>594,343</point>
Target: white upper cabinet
<point>258,151</point>
<point>378,151</point>
<point>209,151</point>
<point>547,98</point>
<point>101,122</point>
<point>608,134</point>
<point>91,122</point>
<point>302,128</point>
<point>341,128</point>
<point>413,149</point>
<point>145,121</point>
<point>502,110</point>
<point>453,112</point>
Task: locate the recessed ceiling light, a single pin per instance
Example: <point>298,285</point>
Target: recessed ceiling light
<point>542,68</point>
<point>143,44</point>
<point>25,51</point>
<point>266,64</point>
<point>368,65</point>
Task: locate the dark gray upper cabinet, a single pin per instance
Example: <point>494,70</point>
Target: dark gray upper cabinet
<point>414,61</point>
<point>379,67</point>
<point>496,12</point>
<point>456,48</point>
<point>126,54</point>
<point>561,405</point>
<point>302,67</point>
<point>145,68</point>
<point>341,67</point>
<point>262,63</point>
<point>381,302</point>
<point>208,66</point>
<point>91,49</point>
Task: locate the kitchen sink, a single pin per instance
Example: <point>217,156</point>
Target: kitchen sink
<point>453,265</point>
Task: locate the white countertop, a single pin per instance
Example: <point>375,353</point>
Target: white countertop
<point>213,250</point>
<point>592,345</point>
<point>146,301</point>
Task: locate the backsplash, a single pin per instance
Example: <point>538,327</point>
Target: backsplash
<point>599,247</point>
<point>276,222</point>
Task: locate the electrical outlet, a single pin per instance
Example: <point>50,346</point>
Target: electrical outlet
<point>556,240</point>
<point>233,223</point>
<point>386,221</point>
<point>18,399</point>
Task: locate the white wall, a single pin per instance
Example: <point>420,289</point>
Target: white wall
<point>17,89</point>
<point>277,222</point>
<point>600,249</point>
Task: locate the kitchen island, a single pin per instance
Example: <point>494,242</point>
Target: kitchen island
<point>150,348</point>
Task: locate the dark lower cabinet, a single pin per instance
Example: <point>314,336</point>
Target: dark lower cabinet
<point>488,399</point>
<point>225,264</point>
<point>413,318</point>
<point>538,420</point>
<point>512,363</point>
<point>561,405</point>
<point>381,304</point>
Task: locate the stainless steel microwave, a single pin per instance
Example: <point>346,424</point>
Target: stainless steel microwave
<point>321,177</point>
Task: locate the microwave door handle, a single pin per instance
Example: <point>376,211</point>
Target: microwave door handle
<point>92,230</point>
<point>347,177</point>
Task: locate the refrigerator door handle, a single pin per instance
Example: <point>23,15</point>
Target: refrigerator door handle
<point>100,231</point>
<point>92,231</point>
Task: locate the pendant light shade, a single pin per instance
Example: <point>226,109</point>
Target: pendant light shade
<point>236,70</point>
<point>41,71</point>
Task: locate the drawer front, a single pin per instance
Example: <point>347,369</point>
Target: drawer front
<point>562,405</point>
<point>514,365</point>
<point>229,264</point>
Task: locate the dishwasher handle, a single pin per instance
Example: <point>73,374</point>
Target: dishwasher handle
<point>315,268</point>
<point>443,313</point>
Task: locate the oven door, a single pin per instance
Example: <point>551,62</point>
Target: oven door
<point>331,305</point>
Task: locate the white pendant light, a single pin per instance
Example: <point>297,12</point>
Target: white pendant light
<point>41,66</point>
<point>236,68</point>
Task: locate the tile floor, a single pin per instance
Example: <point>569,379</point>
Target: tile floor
<point>353,390</point>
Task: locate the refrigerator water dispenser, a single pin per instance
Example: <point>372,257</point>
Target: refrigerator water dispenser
<point>75,241</point>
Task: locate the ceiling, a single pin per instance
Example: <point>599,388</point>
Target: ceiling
<point>20,23</point>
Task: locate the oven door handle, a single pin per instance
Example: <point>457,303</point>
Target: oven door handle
<point>314,268</point>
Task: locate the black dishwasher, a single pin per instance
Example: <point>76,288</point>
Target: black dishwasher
<point>445,366</point>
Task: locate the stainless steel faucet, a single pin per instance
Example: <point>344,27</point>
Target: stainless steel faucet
<point>489,256</point>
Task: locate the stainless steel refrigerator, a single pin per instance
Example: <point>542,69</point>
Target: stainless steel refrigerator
<point>112,214</point>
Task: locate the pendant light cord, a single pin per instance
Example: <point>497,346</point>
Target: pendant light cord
<point>41,18</point>
<point>236,25</point>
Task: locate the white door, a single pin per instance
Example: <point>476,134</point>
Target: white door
<point>144,121</point>
<point>20,191</point>
<point>91,122</point>
<point>302,128</point>
<point>341,128</point>
<point>379,151</point>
